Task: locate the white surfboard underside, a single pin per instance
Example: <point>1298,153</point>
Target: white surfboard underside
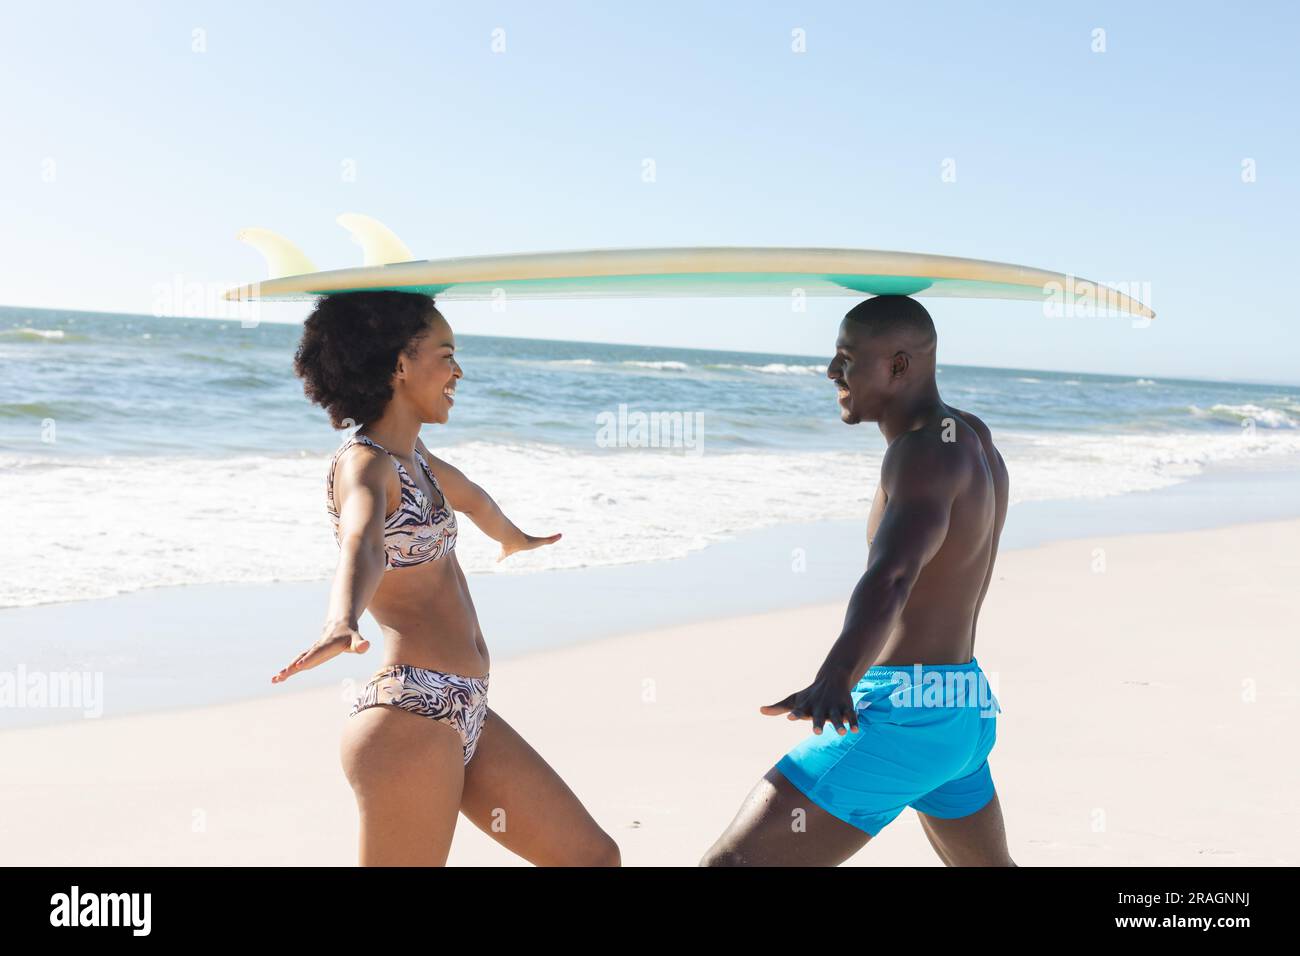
<point>701,271</point>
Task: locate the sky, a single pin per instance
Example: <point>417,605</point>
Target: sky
<point>1149,144</point>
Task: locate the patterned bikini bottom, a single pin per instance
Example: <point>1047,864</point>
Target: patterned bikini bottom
<point>460,702</point>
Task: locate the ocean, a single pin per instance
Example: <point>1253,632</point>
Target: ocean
<point>138,451</point>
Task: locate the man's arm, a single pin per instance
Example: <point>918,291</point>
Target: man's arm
<point>921,479</point>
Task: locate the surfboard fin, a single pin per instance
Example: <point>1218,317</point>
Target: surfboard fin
<point>379,243</point>
<point>282,257</point>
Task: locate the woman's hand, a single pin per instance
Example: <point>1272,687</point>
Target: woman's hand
<point>524,542</point>
<point>339,638</point>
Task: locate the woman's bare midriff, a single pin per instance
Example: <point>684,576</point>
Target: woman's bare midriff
<point>428,619</point>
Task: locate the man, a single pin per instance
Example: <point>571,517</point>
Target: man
<point>913,719</point>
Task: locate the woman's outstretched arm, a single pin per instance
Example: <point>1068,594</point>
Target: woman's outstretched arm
<point>361,496</point>
<point>470,499</point>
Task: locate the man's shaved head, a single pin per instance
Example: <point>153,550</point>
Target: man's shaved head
<point>898,318</point>
<point>884,357</point>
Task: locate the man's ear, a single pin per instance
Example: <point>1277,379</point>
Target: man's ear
<point>899,364</point>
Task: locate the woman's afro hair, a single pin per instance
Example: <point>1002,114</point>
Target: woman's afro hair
<point>349,349</point>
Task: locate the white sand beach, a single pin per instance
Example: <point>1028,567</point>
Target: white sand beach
<point>1147,682</point>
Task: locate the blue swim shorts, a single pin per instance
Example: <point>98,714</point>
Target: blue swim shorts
<point>923,740</point>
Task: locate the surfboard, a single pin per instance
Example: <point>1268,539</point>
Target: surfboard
<point>703,271</point>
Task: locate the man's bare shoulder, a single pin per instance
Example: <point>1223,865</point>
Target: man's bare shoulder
<point>929,460</point>
<point>985,436</point>
<point>982,430</point>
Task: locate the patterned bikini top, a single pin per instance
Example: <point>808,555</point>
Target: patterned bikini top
<point>418,530</point>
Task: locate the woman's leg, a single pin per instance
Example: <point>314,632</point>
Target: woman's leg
<point>407,773</point>
<point>514,796</point>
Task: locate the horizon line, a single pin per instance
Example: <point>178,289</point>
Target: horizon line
<point>690,348</point>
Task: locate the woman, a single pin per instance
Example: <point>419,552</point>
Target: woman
<point>420,744</point>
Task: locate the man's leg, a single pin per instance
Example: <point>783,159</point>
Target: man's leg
<point>979,839</point>
<point>779,826</point>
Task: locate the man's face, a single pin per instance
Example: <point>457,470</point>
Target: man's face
<point>862,373</point>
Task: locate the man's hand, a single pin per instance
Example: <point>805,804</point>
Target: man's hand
<point>826,699</point>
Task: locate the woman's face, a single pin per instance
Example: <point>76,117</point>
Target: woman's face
<point>427,372</point>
